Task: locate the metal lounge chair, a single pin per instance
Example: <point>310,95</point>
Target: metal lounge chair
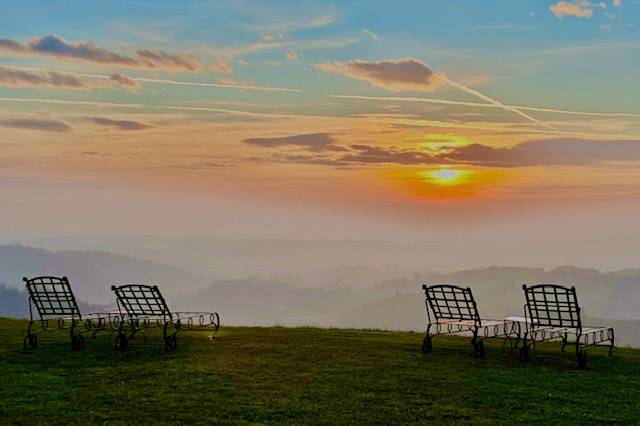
<point>54,301</point>
<point>455,312</point>
<point>143,307</point>
<point>553,313</point>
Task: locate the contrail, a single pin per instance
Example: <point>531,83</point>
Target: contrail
<point>424,123</point>
<point>478,104</point>
<point>446,124</point>
<point>172,82</point>
<point>67,102</point>
<point>198,84</point>
<point>496,102</point>
<point>157,107</point>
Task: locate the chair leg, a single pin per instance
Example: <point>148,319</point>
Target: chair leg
<point>581,354</point>
<point>564,343</point>
<point>613,339</point>
<point>524,350</point>
<point>427,344</point>
<point>30,338</point>
<point>515,346</point>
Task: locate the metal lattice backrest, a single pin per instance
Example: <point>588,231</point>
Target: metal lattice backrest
<point>451,302</point>
<point>552,305</point>
<point>141,300</point>
<point>52,297</point>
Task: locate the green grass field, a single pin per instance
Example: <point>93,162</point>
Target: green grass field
<point>308,376</point>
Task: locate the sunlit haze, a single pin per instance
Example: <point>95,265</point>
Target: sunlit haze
<point>316,120</point>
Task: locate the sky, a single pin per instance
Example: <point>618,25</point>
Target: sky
<point>511,120</point>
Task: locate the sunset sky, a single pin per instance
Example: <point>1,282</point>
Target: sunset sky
<point>356,119</point>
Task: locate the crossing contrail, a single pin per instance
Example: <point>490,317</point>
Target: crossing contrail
<point>490,105</point>
<point>421,123</point>
<point>496,102</point>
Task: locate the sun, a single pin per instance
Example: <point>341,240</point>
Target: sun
<point>446,176</point>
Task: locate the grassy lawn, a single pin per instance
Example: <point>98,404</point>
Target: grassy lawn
<point>304,375</point>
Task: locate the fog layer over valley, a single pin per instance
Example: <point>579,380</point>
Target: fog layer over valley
<point>364,284</point>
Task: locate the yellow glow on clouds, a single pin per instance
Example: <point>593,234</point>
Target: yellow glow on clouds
<point>440,141</point>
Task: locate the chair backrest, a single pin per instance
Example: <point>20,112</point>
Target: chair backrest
<point>52,297</point>
<point>552,305</point>
<point>141,300</point>
<point>451,302</point>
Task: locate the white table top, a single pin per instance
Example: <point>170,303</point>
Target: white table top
<point>518,319</point>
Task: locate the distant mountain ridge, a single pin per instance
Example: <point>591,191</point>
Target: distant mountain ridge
<point>91,272</point>
<point>223,258</point>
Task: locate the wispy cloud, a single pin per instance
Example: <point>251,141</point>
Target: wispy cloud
<point>504,27</point>
<point>291,55</point>
<point>119,124</point>
<point>311,141</point>
<point>360,154</point>
<point>373,36</point>
<point>128,82</point>
<point>399,74</point>
<point>25,77</point>
<point>283,27</point>
<point>381,155</point>
<point>295,45</point>
<point>548,152</point>
<point>125,81</point>
<point>534,153</point>
<point>221,67</point>
<point>56,47</point>
<point>47,125</point>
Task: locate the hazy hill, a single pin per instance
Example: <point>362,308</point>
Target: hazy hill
<point>498,290</point>
<point>308,262</point>
<point>365,296</point>
<point>14,303</point>
<point>91,272</point>
<point>258,301</point>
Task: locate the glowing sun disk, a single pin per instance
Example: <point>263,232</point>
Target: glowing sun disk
<point>446,176</point>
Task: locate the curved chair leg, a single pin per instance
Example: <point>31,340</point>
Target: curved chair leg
<point>564,343</point>
<point>515,346</point>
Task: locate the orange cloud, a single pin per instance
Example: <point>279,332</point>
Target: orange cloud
<point>221,67</point>
<point>579,9</point>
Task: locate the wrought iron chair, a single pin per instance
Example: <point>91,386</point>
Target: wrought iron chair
<point>142,307</point>
<point>54,301</point>
<point>455,311</point>
<point>553,313</point>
